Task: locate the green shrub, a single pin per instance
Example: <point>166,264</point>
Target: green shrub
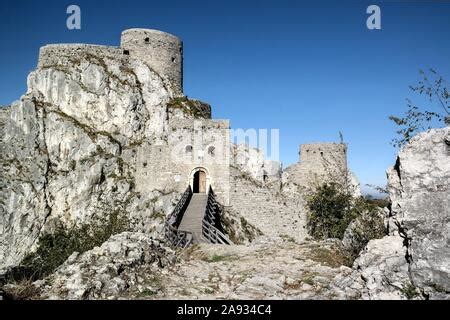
<point>409,291</point>
<point>381,203</point>
<point>368,224</point>
<point>330,212</point>
<point>332,209</point>
<point>148,292</point>
<point>54,248</point>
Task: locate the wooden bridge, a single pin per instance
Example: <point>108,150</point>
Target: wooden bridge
<point>196,219</point>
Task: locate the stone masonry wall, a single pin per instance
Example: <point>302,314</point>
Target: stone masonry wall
<point>49,55</point>
<point>192,144</point>
<point>162,51</point>
<point>263,206</point>
<point>319,162</point>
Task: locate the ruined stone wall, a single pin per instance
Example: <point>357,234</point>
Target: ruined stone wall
<point>265,207</point>
<point>162,51</point>
<point>252,162</point>
<point>319,162</point>
<point>191,144</point>
<point>49,55</point>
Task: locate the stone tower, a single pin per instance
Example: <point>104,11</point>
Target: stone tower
<point>162,51</point>
<point>319,163</point>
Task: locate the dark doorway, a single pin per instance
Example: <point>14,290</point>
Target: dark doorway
<point>199,182</point>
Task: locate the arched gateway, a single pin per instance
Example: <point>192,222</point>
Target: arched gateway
<point>197,216</point>
<point>199,180</point>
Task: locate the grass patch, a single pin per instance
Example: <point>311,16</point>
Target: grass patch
<point>287,238</point>
<point>219,258</point>
<point>158,215</point>
<point>328,257</point>
<point>54,248</point>
<point>309,279</point>
<point>209,291</point>
<point>22,290</point>
<point>409,291</point>
<point>148,293</point>
<point>194,108</point>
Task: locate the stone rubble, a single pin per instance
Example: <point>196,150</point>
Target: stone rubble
<point>106,271</point>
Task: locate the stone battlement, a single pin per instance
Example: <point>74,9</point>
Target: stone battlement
<point>318,163</point>
<point>313,152</point>
<point>161,51</point>
<point>49,54</point>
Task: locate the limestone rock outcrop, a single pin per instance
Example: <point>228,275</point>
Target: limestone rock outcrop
<point>106,271</point>
<point>384,269</point>
<point>252,161</point>
<point>419,186</point>
<point>414,260</point>
<point>69,145</point>
<point>368,225</point>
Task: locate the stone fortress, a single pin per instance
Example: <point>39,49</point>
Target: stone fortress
<point>115,133</point>
<point>172,163</point>
<point>320,162</point>
<point>163,52</point>
<point>197,145</point>
<point>198,151</point>
<point>106,132</point>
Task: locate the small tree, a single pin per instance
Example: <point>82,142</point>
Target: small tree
<point>332,210</point>
<point>416,119</point>
<point>329,211</point>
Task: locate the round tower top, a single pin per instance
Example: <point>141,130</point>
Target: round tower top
<point>150,32</point>
<point>162,51</point>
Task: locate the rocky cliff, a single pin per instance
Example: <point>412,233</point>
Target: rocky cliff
<point>413,261</point>
<point>69,147</point>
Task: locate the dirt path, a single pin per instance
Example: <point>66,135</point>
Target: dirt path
<point>287,270</point>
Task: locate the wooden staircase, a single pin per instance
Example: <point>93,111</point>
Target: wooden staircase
<point>195,219</point>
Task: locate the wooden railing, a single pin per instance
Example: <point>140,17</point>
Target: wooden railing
<point>176,216</point>
<point>212,235</point>
<point>178,238</point>
<point>175,237</point>
<point>212,230</point>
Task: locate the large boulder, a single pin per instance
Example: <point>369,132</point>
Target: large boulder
<point>413,261</point>
<point>367,226</point>
<point>384,269</point>
<point>106,271</point>
<point>419,186</point>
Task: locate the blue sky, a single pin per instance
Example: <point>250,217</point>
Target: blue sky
<point>308,68</point>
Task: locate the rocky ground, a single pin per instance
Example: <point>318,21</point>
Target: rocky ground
<point>132,266</point>
<point>285,270</point>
